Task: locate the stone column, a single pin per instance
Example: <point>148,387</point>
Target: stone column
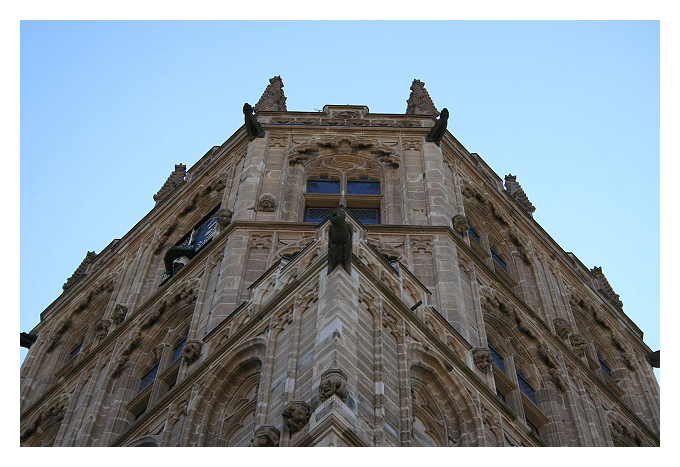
<point>438,202</point>
<point>249,184</point>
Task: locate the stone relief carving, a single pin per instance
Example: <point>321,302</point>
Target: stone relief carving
<point>101,329</point>
<point>333,381</point>
<point>562,328</point>
<point>105,286</point>
<point>59,330</point>
<point>350,145</point>
<point>266,436</point>
<point>482,359</point>
<point>175,179</point>
<point>185,296</point>
<point>192,350</point>
<point>578,344</point>
<point>460,224</point>
<point>130,344</point>
<point>119,313</point>
<point>253,127</point>
<point>296,415</point>
<point>266,203</point>
<point>51,414</point>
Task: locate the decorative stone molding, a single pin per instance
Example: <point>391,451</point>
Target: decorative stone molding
<point>553,367</point>
<point>214,187</point>
<point>186,296</point>
<point>562,328</point>
<point>482,359</point>
<point>624,435</point>
<point>420,102</point>
<point>192,350</point>
<point>101,329</point>
<point>605,287</point>
<point>421,244</point>
<point>260,241</point>
<point>333,381</point>
<point>175,179</point>
<point>296,415</point>
<point>273,99</point>
<point>80,270</point>
<point>578,344</point>
<point>515,190</point>
<point>352,145</point>
<point>54,413</point>
<point>119,313</point>
<point>266,203</point>
<point>130,344</point>
<point>105,286</point>
<point>265,436</point>
<point>162,240</point>
<point>460,224</point>
<point>59,330</point>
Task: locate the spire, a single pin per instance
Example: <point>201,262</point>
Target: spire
<point>80,271</point>
<point>515,190</point>
<point>175,179</point>
<point>420,102</point>
<point>272,98</point>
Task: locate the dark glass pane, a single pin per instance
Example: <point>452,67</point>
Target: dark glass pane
<point>148,377</point>
<point>323,186</point>
<point>366,216</point>
<point>526,388</point>
<point>604,366</point>
<point>533,427</point>
<point>498,260</point>
<point>177,351</point>
<point>474,235</point>
<point>497,359</point>
<point>363,187</point>
<point>205,231</point>
<point>76,350</point>
<point>317,214</point>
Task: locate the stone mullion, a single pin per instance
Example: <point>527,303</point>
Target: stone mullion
<point>378,383</point>
<point>574,400</point>
<point>268,372</point>
<point>291,377</point>
<point>479,313</point>
<point>404,390</point>
<point>81,411</point>
<point>540,286</point>
<point>146,261</point>
<point>214,276</point>
<point>194,402</point>
<point>199,307</point>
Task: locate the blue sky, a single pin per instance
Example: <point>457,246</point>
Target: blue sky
<point>571,108</point>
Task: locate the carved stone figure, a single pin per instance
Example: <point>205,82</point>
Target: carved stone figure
<point>119,313</point>
<point>102,328</point>
<point>296,415</point>
<point>578,343</point>
<point>339,242</point>
<point>482,359</point>
<point>174,253</point>
<point>253,127</point>
<point>562,327</point>
<point>267,203</point>
<point>654,359</point>
<point>333,382</point>
<point>224,217</point>
<point>460,224</point>
<point>265,436</point>
<point>192,350</point>
<point>439,129</point>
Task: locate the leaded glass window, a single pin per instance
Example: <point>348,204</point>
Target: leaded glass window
<point>526,388</point>
<point>323,186</point>
<point>474,235</point>
<point>317,214</point>
<point>497,259</point>
<point>497,359</point>
<point>363,187</point>
<point>76,350</point>
<point>366,216</point>
<point>148,377</point>
<point>604,366</point>
<point>177,350</point>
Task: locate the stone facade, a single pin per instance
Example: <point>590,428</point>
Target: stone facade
<point>461,323</point>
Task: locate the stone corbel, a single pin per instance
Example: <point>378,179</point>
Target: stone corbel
<point>265,436</point>
<point>296,415</point>
<point>482,359</point>
<point>192,350</point>
<point>333,382</point>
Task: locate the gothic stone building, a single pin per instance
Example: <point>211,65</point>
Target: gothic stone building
<point>460,322</point>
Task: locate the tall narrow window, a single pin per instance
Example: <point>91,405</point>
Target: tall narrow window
<point>497,259</point>
<point>76,349</point>
<point>526,388</point>
<point>323,186</point>
<point>497,359</point>
<point>148,377</point>
<point>366,216</point>
<point>604,366</point>
<point>363,187</point>
<point>177,350</point>
<point>474,235</point>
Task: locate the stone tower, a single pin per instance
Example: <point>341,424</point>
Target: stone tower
<point>457,322</point>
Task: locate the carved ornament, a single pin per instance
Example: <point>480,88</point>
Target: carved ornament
<point>562,328</point>
<point>192,350</point>
<point>482,359</point>
<point>266,436</point>
<point>333,382</point>
<point>296,415</point>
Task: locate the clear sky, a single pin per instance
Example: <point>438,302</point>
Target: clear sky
<point>571,108</point>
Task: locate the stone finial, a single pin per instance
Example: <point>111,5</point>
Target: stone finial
<point>296,415</point>
<point>265,436</point>
<point>272,98</point>
<point>482,359</point>
<point>420,102</point>
<point>333,381</point>
<point>515,190</point>
<point>80,270</point>
<point>175,179</point>
<point>603,285</point>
